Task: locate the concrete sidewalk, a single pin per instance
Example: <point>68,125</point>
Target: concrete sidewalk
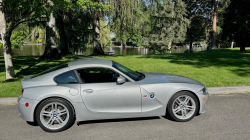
<point>211,90</point>
<point>228,90</point>
<point>8,100</point>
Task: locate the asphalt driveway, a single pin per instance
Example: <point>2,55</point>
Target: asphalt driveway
<point>227,117</point>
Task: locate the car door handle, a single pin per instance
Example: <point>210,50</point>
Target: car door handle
<point>87,91</point>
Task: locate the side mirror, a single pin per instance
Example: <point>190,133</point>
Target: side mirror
<point>121,80</point>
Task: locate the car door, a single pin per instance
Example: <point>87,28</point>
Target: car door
<point>101,93</point>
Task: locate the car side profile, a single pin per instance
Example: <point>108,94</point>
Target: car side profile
<point>93,89</point>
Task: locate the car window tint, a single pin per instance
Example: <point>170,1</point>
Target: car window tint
<point>66,78</point>
<point>51,69</point>
<point>97,75</point>
<point>132,74</point>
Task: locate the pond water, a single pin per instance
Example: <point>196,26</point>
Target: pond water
<point>37,50</point>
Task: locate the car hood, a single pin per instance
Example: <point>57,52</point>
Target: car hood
<point>167,78</point>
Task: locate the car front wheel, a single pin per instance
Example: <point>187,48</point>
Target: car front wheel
<point>183,106</point>
<point>54,115</point>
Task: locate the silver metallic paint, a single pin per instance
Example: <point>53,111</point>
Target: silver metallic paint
<point>108,100</point>
<point>111,97</point>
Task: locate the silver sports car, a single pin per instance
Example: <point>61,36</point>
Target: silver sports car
<point>92,89</point>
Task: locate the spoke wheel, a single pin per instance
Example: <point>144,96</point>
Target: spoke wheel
<point>183,106</point>
<point>54,115</point>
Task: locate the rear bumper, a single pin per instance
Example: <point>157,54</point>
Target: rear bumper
<point>27,113</point>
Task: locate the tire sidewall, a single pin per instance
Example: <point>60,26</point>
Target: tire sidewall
<point>44,103</point>
<point>170,103</point>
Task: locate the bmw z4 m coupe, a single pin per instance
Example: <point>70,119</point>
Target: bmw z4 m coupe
<point>92,89</point>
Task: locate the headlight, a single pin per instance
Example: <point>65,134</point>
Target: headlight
<point>204,91</point>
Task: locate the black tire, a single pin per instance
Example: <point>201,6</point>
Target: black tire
<point>70,114</point>
<point>169,110</point>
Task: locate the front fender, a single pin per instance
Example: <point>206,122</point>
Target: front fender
<point>164,92</point>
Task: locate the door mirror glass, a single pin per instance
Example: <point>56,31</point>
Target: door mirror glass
<point>121,80</point>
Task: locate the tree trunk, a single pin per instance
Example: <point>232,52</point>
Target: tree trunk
<point>51,49</point>
<point>63,40</point>
<point>242,48</point>
<point>191,47</point>
<point>213,43</point>
<point>7,51</point>
<point>169,47</point>
<point>232,44</point>
<point>96,37</point>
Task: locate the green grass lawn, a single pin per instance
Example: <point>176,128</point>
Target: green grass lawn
<point>214,68</point>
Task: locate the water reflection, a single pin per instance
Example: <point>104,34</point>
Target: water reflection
<point>27,50</point>
<point>121,50</point>
<point>35,50</point>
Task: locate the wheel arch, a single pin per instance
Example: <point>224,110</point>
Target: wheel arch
<point>186,91</point>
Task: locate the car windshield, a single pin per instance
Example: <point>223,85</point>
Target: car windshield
<point>51,69</point>
<point>132,74</point>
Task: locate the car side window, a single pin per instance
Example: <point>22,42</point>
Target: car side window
<point>97,75</point>
<point>67,78</point>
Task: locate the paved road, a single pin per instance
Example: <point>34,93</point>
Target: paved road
<point>227,117</point>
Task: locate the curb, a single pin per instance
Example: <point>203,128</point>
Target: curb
<point>211,91</point>
<point>228,90</point>
<point>8,100</point>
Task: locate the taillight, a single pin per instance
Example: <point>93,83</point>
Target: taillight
<point>22,93</point>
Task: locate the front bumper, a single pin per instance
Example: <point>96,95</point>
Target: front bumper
<point>27,113</point>
<point>203,102</point>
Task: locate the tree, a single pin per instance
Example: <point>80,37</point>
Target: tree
<point>61,27</point>
<point>13,13</point>
<point>17,37</point>
<point>220,41</point>
<point>51,48</point>
<point>83,22</point>
<point>197,12</point>
<point>236,23</point>
<point>97,30</point>
<point>213,43</point>
<point>128,20</point>
<point>78,38</point>
<point>169,24</point>
<point>136,38</point>
<point>77,26</point>
<point>5,34</point>
<point>196,31</point>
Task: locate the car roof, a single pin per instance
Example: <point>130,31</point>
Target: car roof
<point>84,62</point>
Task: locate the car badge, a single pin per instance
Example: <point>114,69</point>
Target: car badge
<point>144,95</point>
<point>152,95</point>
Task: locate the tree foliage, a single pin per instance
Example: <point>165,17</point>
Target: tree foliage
<point>236,23</point>
<point>198,12</point>
<point>17,37</point>
<point>105,33</point>
<point>169,24</point>
<point>129,20</point>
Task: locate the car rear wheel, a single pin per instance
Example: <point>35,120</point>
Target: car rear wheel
<point>54,115</point>
<point>183,106</point>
